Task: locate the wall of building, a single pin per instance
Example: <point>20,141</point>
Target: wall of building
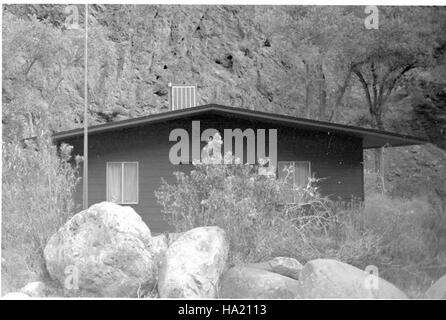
<point>336,159</point>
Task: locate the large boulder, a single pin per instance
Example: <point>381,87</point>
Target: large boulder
<point>16,296</point>
<point>252,283</point>
<point>103,251</point>
<point>326,278</point>
<point>285,266</point>
<point>193,264</point>
<point>38,289</point>
<point>438,289</point>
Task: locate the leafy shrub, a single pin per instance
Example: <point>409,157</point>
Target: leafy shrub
<point>233,197</point>
<point>252,209</point>
<point>38,184</point>
<point>396,235</point>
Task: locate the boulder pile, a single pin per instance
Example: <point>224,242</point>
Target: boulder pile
<point>108,251</point>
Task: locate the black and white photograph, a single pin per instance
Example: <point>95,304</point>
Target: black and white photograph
<point>223,151</point>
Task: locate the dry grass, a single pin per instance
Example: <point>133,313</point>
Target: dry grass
<point>38,185</point>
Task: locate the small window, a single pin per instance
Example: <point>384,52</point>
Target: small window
<point>122,182</point>
<point>296,173</point>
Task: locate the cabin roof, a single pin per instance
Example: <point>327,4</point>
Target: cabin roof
<point>372,138</point>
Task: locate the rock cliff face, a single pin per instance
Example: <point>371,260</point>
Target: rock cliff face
<point>235,55</point>
<point>243,56</point>
<point>221,49</point>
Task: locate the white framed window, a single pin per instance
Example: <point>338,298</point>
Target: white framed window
<point>122,182</point>
<point>295,173</point>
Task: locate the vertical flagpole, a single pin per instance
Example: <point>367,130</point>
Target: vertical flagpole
<point>85,173</point>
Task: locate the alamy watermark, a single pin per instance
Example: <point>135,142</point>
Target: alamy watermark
<point>72,19</point>
<point>372,20</point>
<point>234,139</point>
<point>371,281</point>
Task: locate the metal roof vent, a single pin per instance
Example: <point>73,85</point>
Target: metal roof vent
<point>182,96</point>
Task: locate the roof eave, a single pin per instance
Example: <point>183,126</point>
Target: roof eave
<point>396,139</point>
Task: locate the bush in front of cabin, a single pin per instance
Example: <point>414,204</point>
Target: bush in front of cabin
<point>261,222</point>
<point>396,235</point>
<point>37,198</point>
<point>254,209</point>
<point>229,196</point>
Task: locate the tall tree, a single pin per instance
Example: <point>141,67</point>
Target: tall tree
<point>320,37</point>
<point>406,39</point>
<point>341,49</point>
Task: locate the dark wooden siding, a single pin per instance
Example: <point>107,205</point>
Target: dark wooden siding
<point>337,159</point>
